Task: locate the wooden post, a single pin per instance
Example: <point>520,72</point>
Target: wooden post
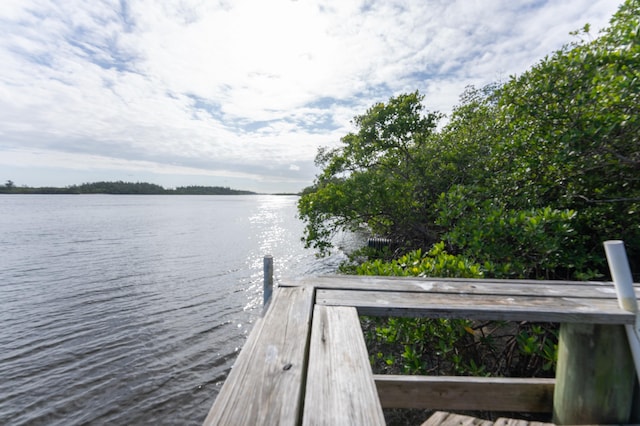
<point>594,375</point>
<point>268,280</point>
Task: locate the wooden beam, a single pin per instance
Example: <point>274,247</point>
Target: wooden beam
<point>442,418</point>
<point>546,288</point>
<point>502,421</point>
<point>481,307</point>
<point>466,393</point>
<point>340,386</point>
<point>265,385</point>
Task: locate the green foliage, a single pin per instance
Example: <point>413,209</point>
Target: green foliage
<point>531,175</point>
<point>453,346</point>
<point>369,182</point>
<point>570,139</point>
<point>419,346</point>
<point>436,263</point>
<point>538,343</point>
<point>416,336</point>
<point>120,187</point>
<point>208,190</point>
<point>509,242</point>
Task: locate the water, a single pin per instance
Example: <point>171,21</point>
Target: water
<point>131,309</point>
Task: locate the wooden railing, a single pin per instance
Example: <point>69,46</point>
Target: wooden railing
<point>305,361</point>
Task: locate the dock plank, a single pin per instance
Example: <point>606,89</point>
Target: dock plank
<point>265,385</point>
<point>442,418</point>
<point>340,386</point>
<point>503,421</point>
<point>478,306</point>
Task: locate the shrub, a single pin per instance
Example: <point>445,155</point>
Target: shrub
<point>453,346</point>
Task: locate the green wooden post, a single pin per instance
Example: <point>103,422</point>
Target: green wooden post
<point>594,376</point>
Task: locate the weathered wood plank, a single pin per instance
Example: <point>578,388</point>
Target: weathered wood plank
<point>502,421</point>
<point>442,418</point>
<point>573,289</point>
<point>340,387</point>
<point>466,393</point>
<point>322,279</point>
<point>482,307</point>
<point>265,385</point>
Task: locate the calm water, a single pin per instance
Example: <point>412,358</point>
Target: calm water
<point>131,309</point>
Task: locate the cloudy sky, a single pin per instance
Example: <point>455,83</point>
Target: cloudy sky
<point>240,93</point>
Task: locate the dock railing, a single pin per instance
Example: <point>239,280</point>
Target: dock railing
<point>305,362</point>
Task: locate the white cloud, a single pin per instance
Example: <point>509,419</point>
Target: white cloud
<point>245,88</point>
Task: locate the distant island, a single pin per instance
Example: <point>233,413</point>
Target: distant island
<point>120,187</point>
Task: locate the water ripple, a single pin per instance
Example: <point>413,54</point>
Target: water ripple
<point>128,310</point>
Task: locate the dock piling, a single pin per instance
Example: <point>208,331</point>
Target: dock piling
<point>268,280</point>
<point>594,374</point>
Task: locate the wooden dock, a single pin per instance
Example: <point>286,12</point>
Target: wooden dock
<point>305,362</point>
<point>441,418</point>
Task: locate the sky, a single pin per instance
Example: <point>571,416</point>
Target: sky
<point>241,93</point>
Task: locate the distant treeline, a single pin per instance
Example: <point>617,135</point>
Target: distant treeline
<point>120,187</point>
